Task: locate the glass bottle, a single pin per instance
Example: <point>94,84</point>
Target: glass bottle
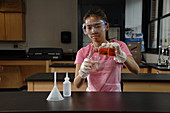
<point>106,51</point>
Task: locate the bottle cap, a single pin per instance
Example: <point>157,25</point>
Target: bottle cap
<point>67,78</point>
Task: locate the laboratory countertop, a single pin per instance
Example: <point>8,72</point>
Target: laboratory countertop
<point>146,77</point>
<point>72,65</point>
<point>22,59</point>
<point>156,66</point>
<point>49,77</point>
<point>85,101</point>
<point>62,65</point>
<point>141,77</point>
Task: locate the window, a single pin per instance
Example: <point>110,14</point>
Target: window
<point>153,34</point>
<point>165,31</point>
<point>166,7</point>
<point>156,23</point>
<point>154,9</point>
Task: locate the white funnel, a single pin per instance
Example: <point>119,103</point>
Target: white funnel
<point>55,95</point>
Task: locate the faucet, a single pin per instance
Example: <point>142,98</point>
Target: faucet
<point>159,57</point>
<point>169,58</point>
<point>161,60</point>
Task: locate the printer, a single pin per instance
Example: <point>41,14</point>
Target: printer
<point>45,53</point>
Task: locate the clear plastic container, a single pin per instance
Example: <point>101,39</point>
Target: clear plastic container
<point>67,86</point>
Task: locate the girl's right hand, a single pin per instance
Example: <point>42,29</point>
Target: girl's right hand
<point>85,68</point>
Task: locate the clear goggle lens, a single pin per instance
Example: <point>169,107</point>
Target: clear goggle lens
<point>94,27</point>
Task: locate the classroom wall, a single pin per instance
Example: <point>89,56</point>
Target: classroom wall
<point>45,19</point>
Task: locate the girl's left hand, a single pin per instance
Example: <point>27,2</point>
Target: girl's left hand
<point>121,56</point>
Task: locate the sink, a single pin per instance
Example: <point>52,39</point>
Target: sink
<point>162,65</point>
<point>159,66</point>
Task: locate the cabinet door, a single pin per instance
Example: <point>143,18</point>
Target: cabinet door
<point>11,77</point>
<point>14,27</point>
<point>11,5</point>
<point>2,27</point>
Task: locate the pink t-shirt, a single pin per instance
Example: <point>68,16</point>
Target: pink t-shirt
<point>108,77</point>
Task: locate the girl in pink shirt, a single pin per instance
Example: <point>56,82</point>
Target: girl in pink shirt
<point>108,77</point>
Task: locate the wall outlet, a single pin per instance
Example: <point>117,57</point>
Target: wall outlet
<point>15,45</point>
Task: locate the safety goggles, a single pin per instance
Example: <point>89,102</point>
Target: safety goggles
<point>94,27</point>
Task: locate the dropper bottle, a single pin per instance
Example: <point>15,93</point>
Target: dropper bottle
<point>67,86</point>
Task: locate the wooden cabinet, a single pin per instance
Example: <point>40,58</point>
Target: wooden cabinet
<point>2,26</point>
<point>12,20</point>
<point>48,85</point>
<point>11,77</point>
<point>15,71</point>
<point>146,82</point>
<point>145,86</point>
<point>12,27</point>
<point>142,70</point>
<point>11,5</point>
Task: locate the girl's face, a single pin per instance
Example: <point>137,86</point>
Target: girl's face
<point>96,37</point>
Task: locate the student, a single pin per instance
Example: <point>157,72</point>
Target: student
<point>108,77</point>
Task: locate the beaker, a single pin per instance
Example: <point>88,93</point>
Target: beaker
<point>95,63</point>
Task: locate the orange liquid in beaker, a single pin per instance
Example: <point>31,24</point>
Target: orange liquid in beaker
<point>95,67</point>
<point>107,51</point>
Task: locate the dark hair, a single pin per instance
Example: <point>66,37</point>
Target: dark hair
<point>95,12</point>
